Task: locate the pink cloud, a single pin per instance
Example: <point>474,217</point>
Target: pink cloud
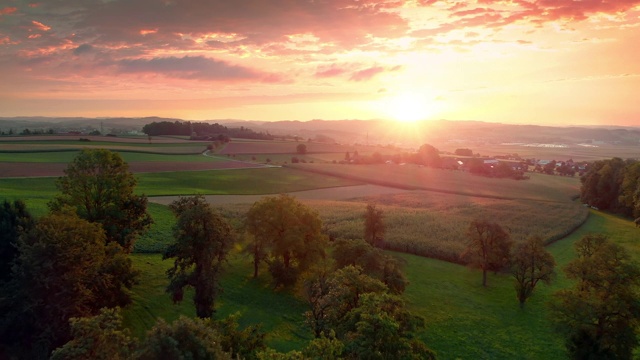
<point>367,74</point>
<point>8,10</point>
<point>193,67</point>
<point>41,26</point>
<point>330,71</point>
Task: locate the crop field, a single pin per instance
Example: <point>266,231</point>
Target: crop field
<point>433,224</point>
<point>159,145</point>
<point>540,187</point>
<point>254,147</point>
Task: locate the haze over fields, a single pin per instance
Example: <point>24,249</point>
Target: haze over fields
<point>527,61</point>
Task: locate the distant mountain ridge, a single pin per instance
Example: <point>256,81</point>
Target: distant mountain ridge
<point>365,131</point>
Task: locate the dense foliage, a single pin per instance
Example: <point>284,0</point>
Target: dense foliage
<point>613,185</point>
<point>285,234</point>
<point>361,313</point>
<point>64,269</point>
<point>600,315</point>
<point>187,128</point>
<point>203,239</point>
<point>488,247</point>
<point>14,220</point>
<point>100,188</point>
<point>530,264</point>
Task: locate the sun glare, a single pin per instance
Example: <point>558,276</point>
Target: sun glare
<point>409,107</point>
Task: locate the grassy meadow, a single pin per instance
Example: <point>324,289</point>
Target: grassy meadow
<point>464,320</point>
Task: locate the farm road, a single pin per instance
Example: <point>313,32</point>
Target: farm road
<point>336,193</point>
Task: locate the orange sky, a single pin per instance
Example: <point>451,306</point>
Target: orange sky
<point>555,62</point>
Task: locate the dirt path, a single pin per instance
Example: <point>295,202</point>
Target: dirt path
<point>337,193</point>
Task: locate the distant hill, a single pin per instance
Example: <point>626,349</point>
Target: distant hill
<point>365,131</point>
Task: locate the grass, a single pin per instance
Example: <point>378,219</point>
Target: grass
<point>464,320</point>
<point>234,181</point>
<point>245,181</point>
<point>128,156</point>
<point>279,313</point>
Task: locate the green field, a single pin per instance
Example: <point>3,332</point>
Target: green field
<point>464,320</point>
<point>128,156</point>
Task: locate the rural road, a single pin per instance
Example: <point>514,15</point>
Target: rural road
<point>336,193</point>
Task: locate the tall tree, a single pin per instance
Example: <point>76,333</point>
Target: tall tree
<point>14,220</point>
<point>291,234</point>
<point>488,247</point>
<point>57,276</point>
<point>374,227</point>
<point>530,264</point>
<point>203,239</point>
<point>301,149</point>
<point>99,186</point>
<point>430,156</point>
<point>600,315</point>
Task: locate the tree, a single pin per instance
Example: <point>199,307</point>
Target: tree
<point>382,328</point>
<point>373,261</point>
<point>600,315</point>
<point>464,152</point>
<point>429,156</point>
<point>57,276</point>
<point>601,185</point>
<point>333,294</point>
<point>301,149</point>
<point>14,220</point>
<point>99,186</point>
<point>374,227</point>
<point>240,344</point>
<point>530,264</point>
<point>203,239</point>
<point>185,338</point>
<point>98,337</point>
<point>630,190</point>
<point>488,247</point>
<point>287,235</point>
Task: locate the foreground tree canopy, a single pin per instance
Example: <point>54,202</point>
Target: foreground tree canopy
<point>64,270</point>
<point>203,239</point>
<point>287,235</point>
<point>600,315</point>
<point>14,220</point>
<point>99,186</point>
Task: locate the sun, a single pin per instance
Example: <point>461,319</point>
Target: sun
<point>409,107</point>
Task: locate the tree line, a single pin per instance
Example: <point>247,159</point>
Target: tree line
<point>202,129</point>
<point>613,185</point>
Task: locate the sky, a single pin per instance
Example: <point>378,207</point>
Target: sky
<point>546,62</point>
